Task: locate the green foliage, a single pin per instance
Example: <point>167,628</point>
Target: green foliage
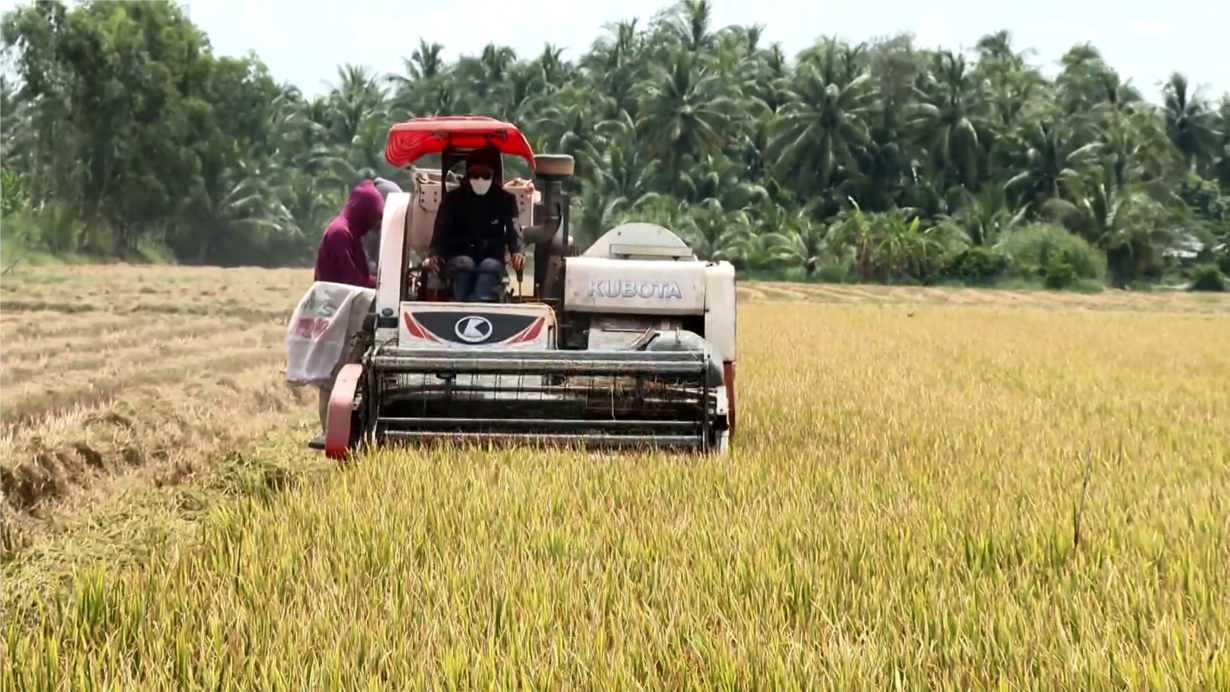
<point>1206,200</point>
<point>1060,271</point>
<point>13,197</point>
<point>1207,277</point>
<point>977,265</point>
<point>53,229</point>
<point>880,161</point>
<point>837,273</point>
<point>1038,249</point>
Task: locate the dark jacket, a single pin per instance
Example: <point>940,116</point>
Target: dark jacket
<point>480,226</point>
<point>341,258</point>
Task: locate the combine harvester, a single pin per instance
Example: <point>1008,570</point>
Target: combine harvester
<point>628,345</point>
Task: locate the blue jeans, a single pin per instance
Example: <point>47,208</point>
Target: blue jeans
<point>473,288</point>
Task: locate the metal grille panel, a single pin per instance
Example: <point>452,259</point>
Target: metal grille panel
<point>620,399</point>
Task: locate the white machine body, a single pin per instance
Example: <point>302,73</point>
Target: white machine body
<point>641,275</point>
<point>635,279</point>
<point>636,276</point>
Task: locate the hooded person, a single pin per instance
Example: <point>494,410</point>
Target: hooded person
<point>477,223</point>
<point>371,241</point>
<point>341,257</point>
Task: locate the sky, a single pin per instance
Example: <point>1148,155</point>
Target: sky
<point>304,41</point>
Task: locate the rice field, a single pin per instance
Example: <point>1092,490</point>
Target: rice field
<point>932,489</point>
<point>116,378</point>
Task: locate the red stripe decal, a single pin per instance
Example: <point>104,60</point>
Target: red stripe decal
<point>416,330</point>
<point>531,332</point>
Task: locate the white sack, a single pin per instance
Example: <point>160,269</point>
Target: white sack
<point>327,319</point>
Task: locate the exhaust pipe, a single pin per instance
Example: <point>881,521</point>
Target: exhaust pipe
<point>549,236</point>
<point>547,230</point>
<point>553,169</point>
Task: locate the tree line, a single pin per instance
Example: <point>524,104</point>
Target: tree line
<point>880,161</point>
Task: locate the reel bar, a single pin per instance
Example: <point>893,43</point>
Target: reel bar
<point>521,424</point>
<point>587,440</point>
<point>546,362</point>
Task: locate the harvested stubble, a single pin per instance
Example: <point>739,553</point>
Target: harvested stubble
<point>898,514</point>
<point>119,377</point>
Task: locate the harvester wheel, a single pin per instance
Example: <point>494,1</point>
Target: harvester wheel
<point>343,424</point>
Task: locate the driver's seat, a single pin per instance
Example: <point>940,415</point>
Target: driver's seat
<point>430,187</point>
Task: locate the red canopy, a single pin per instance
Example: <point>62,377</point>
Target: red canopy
<point>417,137</point>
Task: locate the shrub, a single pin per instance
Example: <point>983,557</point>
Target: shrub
<point>838,273</point>
<point>977,265</point>
<point>1060,271</point>
<point>1207,277</point>
<point>1030,249</point>
<point>53,229</point>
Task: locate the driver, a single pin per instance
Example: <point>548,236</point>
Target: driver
<point>474,227</point>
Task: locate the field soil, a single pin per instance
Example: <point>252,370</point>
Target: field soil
<point>930,489</point>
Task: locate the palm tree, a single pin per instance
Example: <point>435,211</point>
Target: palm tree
<point>947,119</point>
<point>688,23</point>
<point>423,72</point>
<point>1122,217</point>
<point>823,125</point>
<point>982,217</point>
<point>1219,161</point>
<point>684,108</point>
<point>1189,121</point>
<point>795,238</point>
<point>1049,160</point>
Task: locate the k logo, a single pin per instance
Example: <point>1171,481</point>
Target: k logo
<point>473,329</point>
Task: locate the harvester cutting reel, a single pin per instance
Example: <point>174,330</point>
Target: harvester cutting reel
<point>667,394</point>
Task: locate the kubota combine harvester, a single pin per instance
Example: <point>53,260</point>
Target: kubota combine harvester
<point>629,344</point>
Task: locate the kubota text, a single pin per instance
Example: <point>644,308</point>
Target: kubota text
<point>631,289</point>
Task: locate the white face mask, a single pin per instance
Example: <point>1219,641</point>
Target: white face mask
<point>481,186</point>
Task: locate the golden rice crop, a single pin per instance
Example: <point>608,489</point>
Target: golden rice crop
<point>923,497</point>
